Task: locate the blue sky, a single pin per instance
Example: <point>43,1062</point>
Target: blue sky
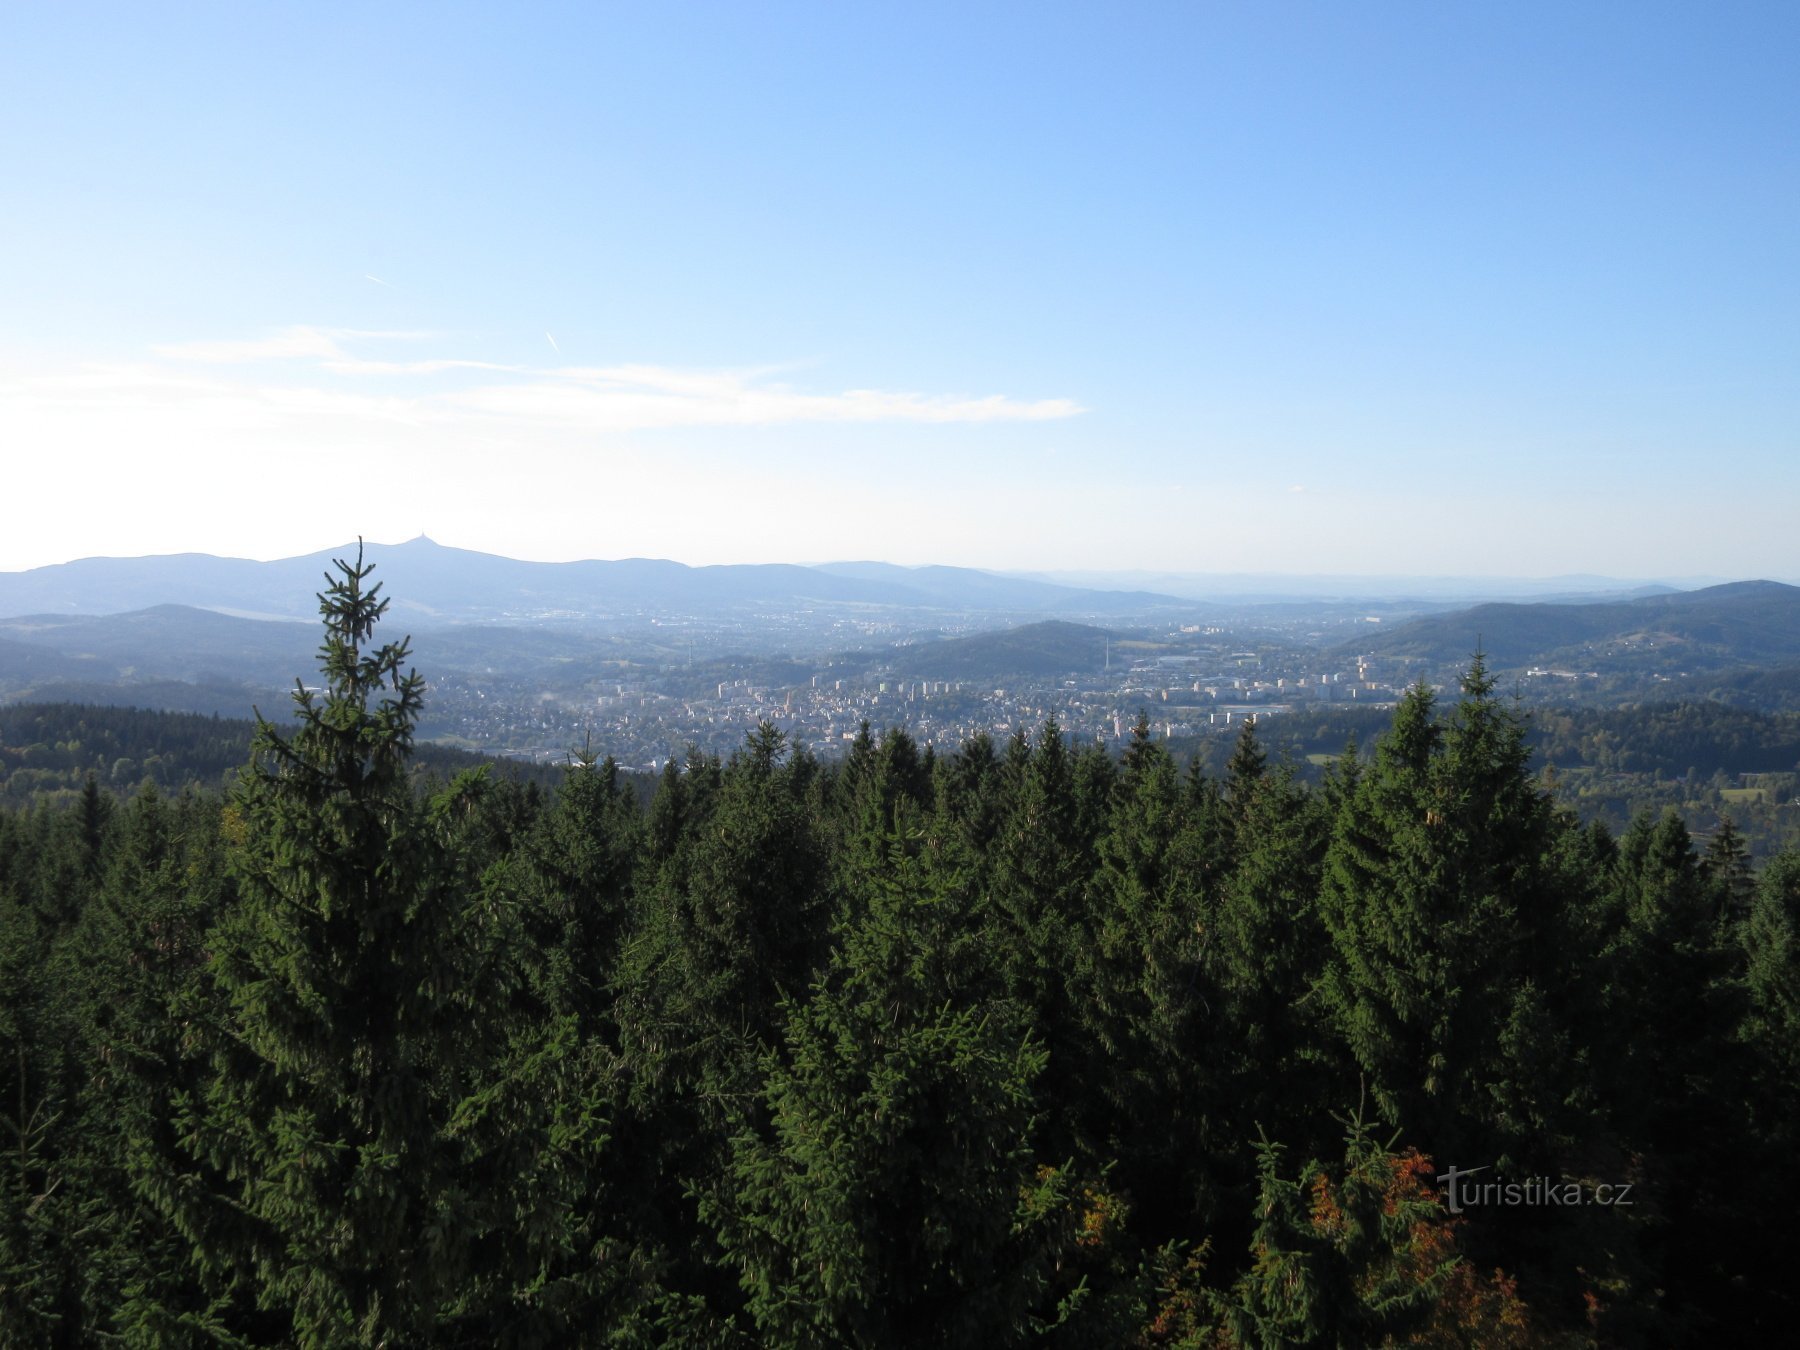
<point>1207,287</point>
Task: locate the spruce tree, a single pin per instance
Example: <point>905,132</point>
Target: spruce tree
<point>575,875</point>
<point>877,782</point>
<point>1771,941</point>
<point>37,1272</point>
<point>147,1012</point>
<point>1726,869</point>
<point>1439,904</point>
<point>891,1199</point>
<point>353,1031</point>
<point>1675,1004</point>
<point>1267,943</point>
<point>1148,1005</point>
<point>748,919</point>
<point>1771,1034</point>
<point>1245,769</point>
<point>733,926</point>
<point>1039,897</point>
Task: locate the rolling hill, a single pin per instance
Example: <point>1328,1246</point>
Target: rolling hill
<point>51,748</point>
<point>1052,647</point>
<point>1742,623</point>
<point>178,643</point>
<point>968,588</point>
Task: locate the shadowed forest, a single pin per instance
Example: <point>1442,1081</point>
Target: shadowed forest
<point>1021,1044</point>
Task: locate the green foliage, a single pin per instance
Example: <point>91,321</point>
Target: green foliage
<point>35,1193</point>
<point>348,1049</point>
<point>919,1048</point>
<point>49,750</point>
<point>888,1202</point>
<point>1150,1000</point>
<point>1771,939</point>
<point>1439,905</point>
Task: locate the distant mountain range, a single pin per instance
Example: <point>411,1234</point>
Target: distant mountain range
<point>1742,623</point>
<point>1298,587</point>
<point>427,581</point>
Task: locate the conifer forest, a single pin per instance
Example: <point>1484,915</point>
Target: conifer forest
<point>1020,1043</point>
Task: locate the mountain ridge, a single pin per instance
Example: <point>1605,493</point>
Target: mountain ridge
<point>429,580</point>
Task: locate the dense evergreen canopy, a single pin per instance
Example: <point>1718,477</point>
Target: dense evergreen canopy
<point>1012,1045</point>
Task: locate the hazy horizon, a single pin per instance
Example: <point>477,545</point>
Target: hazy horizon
<point>1287,289</point>
<point>1224,583</point>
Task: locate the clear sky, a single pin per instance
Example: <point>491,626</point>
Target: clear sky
<point>1363,287</point>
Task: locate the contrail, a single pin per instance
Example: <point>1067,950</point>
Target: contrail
<point>378,281</point>
<point>554,347</point>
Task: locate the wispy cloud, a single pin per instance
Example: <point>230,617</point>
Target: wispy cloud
<point>303,342</point>
<point>642,397</point>
<point>349,429</point>
<point>628,397</point>
<point>290,344</point>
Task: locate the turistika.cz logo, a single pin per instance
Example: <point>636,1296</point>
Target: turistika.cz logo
<point>1461,1192</point>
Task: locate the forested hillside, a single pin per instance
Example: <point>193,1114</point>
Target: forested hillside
<point>1052,647</point>
<point>1742,623</point>
<point>1012,1045</point>
<point>1706,761</point>
<point>48,751</point>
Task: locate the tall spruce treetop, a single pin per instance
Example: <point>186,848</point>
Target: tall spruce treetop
<point>339,965</point>
<point>364,748</point>
<point>1246,767</point>
<point>1434,895</point>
